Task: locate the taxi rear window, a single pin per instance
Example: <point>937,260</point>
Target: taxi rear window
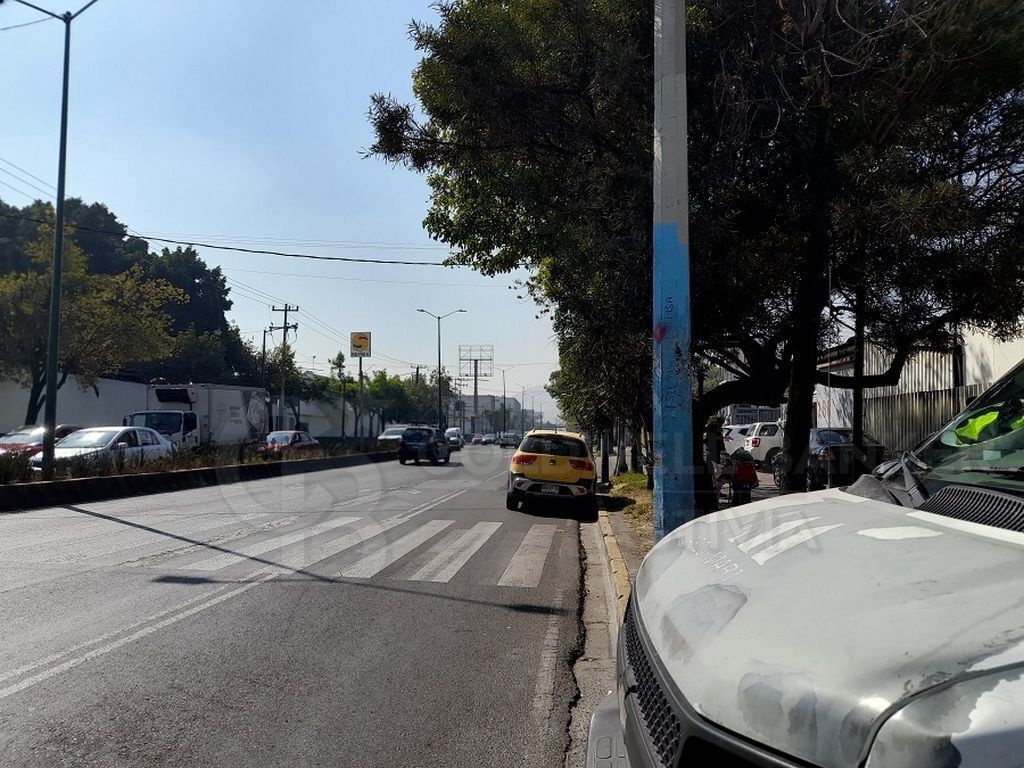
<point>554,446</point>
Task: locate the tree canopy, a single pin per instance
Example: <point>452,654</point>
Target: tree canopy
<point>867,146</point>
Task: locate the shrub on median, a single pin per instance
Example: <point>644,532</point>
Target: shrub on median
<point>14,468</point>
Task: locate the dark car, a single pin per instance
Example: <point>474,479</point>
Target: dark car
<point>833,459</point>
<point>423,444</point>
<point>289,441</point>
<point>29,439</point>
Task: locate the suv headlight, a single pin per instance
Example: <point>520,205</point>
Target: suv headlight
<point>977,723</point>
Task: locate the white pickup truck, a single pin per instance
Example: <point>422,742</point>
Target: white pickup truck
<point>201,415</point>
<point>876,626</point>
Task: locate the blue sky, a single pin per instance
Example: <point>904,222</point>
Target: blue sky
<point>242,122</point>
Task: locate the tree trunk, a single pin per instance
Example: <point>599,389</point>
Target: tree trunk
<point>620,458</point>
<point>634,452</point>
<point>606,446</point>
<point>812,296</point>
<point>36,397</point>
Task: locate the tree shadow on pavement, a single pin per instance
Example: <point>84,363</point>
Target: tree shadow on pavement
<point>308,577</point>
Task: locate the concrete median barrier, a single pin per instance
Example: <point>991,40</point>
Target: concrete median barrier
<point>23,496</point>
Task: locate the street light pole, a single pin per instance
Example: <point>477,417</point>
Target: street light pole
<point>53,338</point>
<point>440,401</point>
<point>504,399</point>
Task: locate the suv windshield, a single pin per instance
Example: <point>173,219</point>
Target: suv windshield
<point>984,444</point>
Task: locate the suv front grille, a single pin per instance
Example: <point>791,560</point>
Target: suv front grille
<point>661,726</point>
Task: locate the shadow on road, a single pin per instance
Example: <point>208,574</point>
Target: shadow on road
<point>309,576</point>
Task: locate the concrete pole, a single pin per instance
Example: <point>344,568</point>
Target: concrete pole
<point>673,417</point>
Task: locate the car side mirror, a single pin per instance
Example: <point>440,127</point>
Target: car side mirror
<point>122,446</point>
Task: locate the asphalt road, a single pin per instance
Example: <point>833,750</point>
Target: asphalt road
<point>374,616</point>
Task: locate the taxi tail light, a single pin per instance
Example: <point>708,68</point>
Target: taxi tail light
<point>523,459</point>
<point>584,465</point>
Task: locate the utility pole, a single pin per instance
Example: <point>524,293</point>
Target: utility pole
<point>504,396</point>
<point>53,337</point>
<point>673,417</point>
<point>476,391</point>
<point>284,345</point>
<point>263,377</point>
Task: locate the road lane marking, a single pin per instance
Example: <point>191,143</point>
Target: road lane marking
<point>46,674</point>
<point>217,562</point>
<point>527,564</point>
<point>500,474</point>
<point>18,672</point>
<point>452,556</point>
<point>182,611</point>
<point>377,561</point>
<point>544,691</point>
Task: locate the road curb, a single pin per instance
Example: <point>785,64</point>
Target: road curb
<point>620,573</point>
<point>25,496</point>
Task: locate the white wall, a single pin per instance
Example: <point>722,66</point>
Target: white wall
<point>74,405</point>
<point>985,359</point>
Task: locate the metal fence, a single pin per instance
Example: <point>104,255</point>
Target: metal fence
<point>902,421</point>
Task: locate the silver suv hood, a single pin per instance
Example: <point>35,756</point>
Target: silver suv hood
<point>803,622</point>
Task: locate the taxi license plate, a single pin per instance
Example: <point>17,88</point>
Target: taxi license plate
<point>549,489</point>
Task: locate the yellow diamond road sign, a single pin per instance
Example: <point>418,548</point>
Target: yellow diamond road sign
<point>360,341</point>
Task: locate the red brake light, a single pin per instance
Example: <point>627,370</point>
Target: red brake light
<point>523,458</point>
<point>755,441</point>
<point>583,465</point>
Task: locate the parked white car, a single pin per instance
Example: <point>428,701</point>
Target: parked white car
<point>127,444</point>
<point>733,436</point>
<point>763,441</point>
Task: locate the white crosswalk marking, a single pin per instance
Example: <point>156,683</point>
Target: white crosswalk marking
<point>254,550</point>
<point>393,551</point>
<point>527,564</point>
<point>315,551</point>
<point>452,556</point>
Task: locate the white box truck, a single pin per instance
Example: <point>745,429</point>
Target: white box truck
<point>203,415</point>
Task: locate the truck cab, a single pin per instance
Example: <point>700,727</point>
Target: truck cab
<point>197,415</point>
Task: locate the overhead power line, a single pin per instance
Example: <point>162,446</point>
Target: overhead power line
<point>44,182</point>
<point>47,195</point>
<point>25,24</point>
<point>239,249</point>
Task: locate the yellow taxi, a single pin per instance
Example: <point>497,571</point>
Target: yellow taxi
<point>552,465</point>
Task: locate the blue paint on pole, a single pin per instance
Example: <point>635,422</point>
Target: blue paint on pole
<point>673,407</point>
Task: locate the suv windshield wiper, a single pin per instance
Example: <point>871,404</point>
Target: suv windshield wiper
<point>915,488</point>
<point>1008,471</point>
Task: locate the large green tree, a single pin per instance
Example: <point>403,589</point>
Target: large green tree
<point>106,321</point>
<point>868,146</point>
